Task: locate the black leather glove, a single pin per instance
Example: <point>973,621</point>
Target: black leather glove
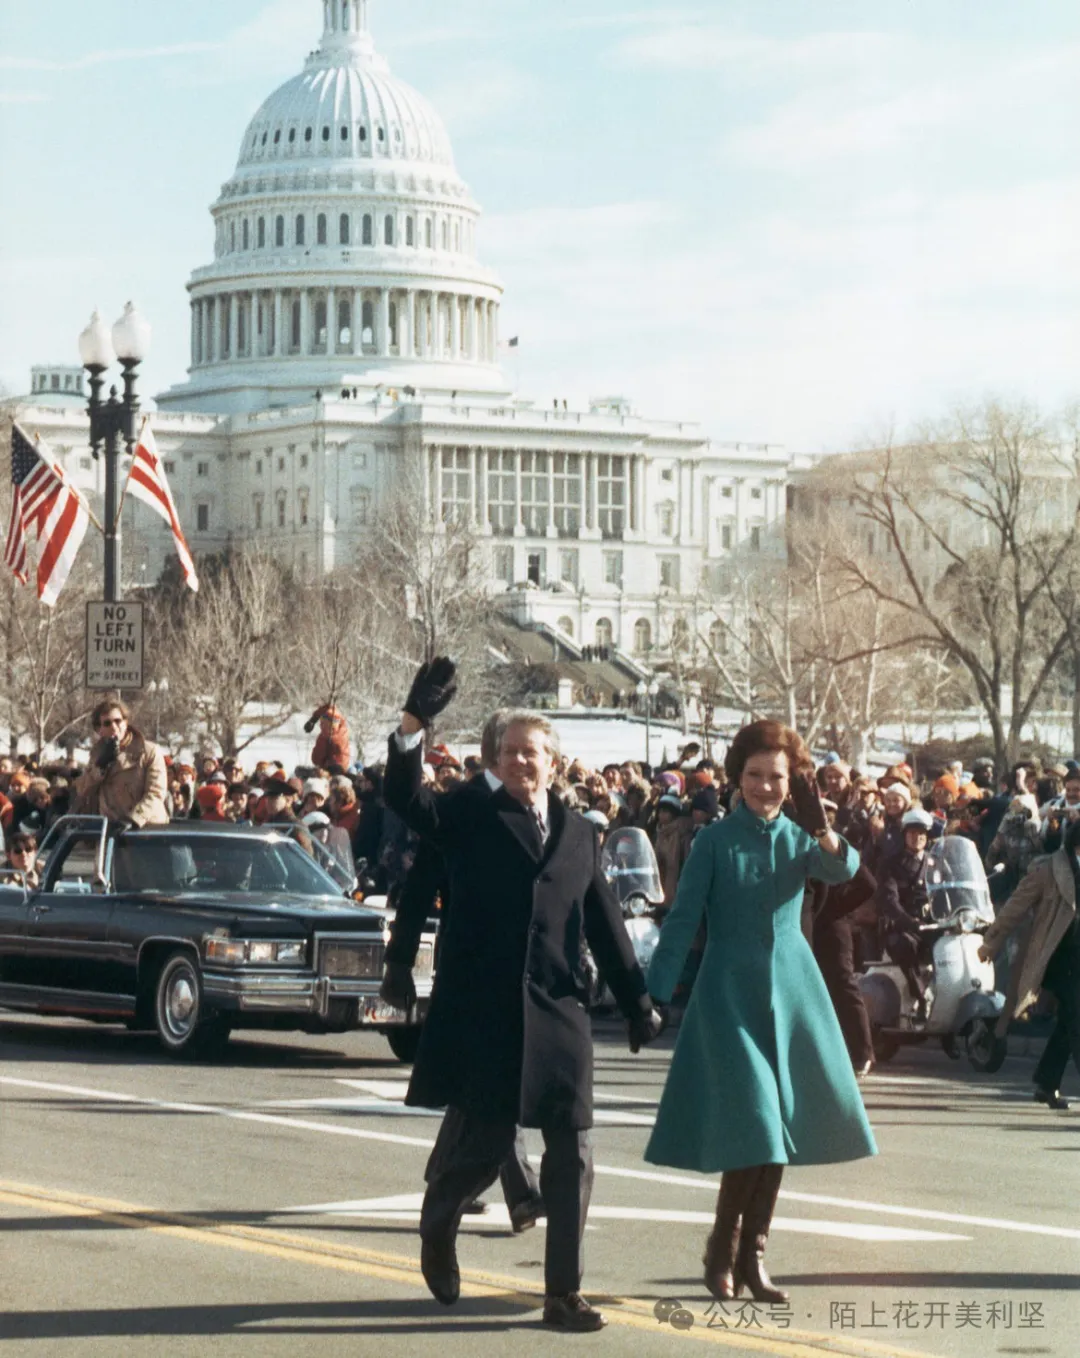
<point>397,987</point>
<point>806,799</point>
<point>645,1028</point>
<point>109,753</point>
<point>432,690</point>
<point>309,726</point>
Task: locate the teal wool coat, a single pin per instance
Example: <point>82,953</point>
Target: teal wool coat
<point>760,1073</point>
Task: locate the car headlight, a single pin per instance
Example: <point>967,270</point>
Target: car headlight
<point>234,952</point>
<point>635,906</point>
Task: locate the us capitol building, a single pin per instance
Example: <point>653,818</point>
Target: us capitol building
<point>345,345</point>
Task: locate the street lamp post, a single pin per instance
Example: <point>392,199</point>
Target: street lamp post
<point>648,691</point>
<point>159,691</point>
<point>114,418</point>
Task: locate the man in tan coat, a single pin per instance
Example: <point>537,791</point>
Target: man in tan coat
<point>126,781</point>
<point>1049,957</point>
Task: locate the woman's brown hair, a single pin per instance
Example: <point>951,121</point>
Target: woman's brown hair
<point>766,737</point>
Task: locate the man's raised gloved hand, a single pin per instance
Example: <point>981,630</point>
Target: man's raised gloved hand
<point>645,1028</point>
<point>432,690</point>
<point>397,987</point>
<point>806,799</point>
<point>110,752</point>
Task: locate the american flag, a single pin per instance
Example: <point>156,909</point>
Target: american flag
<point>146,481</point>
<point>42,501</point>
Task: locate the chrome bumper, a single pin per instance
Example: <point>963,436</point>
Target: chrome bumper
<point>279,994</point>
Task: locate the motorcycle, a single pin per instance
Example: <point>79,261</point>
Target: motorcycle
<point>962,1005</point>
<point>628,862</point>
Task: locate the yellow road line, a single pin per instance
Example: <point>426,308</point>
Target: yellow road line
<point>292,1247</point>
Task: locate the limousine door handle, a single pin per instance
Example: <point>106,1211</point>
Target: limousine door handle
<point>41,909</point>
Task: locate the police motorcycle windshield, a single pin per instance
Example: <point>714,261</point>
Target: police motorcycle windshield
<point>629,864</point>
<point>956,880</point>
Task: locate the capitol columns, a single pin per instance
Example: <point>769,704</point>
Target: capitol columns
<point>305,321</point>
<point>331,320</point>
<point>405,323</point>
<point>470,329</point>
<point>277,341</point>
<point>384,322</point>
<point>455,325</point>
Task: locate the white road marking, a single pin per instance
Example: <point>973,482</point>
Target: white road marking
<point>652,1176</point>
<point>406,1207</point>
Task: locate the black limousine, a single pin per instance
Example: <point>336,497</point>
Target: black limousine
<point>192,930</point>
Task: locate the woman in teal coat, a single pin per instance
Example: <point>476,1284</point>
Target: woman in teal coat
<point>760,1077</point>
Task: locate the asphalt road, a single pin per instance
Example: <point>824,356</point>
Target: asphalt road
<point>267,1204</point>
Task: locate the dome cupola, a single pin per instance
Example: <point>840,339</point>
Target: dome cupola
<point>345,244</point>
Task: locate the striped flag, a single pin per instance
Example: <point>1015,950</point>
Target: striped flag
<point>44,503</point>
<point>146,481</point>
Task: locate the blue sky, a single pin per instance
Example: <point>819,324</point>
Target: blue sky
<point>800,222</point>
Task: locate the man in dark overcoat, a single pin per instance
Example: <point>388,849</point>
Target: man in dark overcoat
<point>428,880</point>
<point>507,1038</point>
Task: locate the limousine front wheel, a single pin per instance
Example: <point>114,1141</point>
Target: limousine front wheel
<point>179,1015</point>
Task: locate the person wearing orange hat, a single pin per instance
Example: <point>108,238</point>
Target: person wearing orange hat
<point>333,749</point>
<point>210,800</point>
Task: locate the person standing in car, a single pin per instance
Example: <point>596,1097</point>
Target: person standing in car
<point>127,781</point>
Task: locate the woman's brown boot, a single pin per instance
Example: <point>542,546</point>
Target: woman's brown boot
<point>757,1218</point>
<point>721,1248</point>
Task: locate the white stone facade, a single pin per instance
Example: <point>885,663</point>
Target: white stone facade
<point>345,342</point>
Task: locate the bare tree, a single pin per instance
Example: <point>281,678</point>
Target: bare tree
<point>957,544</point>
<point>222,649</point>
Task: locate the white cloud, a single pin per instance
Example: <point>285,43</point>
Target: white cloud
<point>710,47</point>
<point>108,57</point>
<point>479,92</point>
<point>28,97</point>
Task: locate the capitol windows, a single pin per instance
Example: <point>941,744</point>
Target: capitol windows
<point>457,237</point>
<point>247,234</point>
<point>611,495</point>
<point>666,516</point>
<point>302,502</point>
<point>300,232</point>
<point>344,324</point>
<point>718,639</point>
<point>535,491</point>
<point>368,235</point>
<point>362,134</point>
<point>393,312</point>
<point>202,469</point>
<point>502,492</point>
<point>282,509</point>
<point>566,471</point>
<point>277,137</point>
<point>642,636</point>
<point>344,134</point>
<point>326,134</point>
<point>727,536</point>
<point>367,323</point>
<point>755,538</point>
<point>429,234</point>
<point>446,235</point>
<point>232,237</point>
<point>320,229</point>
<point>568,567</point>
<point>344,229</point>
<point>295,327</point>
<point>613,569</point>
<point>292,135</point>
<point>320,327</point>
<point>566,627</point>
<point>202,518</point>
<point>308,132</point>
<point>456,485</point>
<point>410,231</point>
<point>260,233</point>
<point>388,229</point>
<point>605,633</point>
<point>257,511</point>
<point>279,232</point>
<point>361,504</point>
<point>536,568</point>
<point>502,565</point>
<point>669,572</point>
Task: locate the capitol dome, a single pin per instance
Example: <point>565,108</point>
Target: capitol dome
<point>345,245</point>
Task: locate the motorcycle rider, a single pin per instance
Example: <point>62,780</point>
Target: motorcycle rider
<point>902,897</point>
